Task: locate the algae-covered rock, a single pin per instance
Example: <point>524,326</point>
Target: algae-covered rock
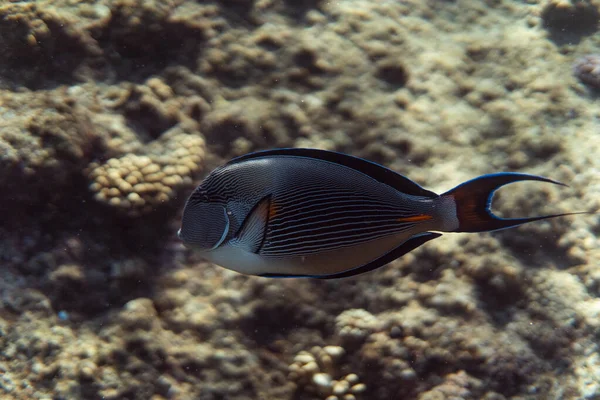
<point>45,140</point>
<point>44,44</point>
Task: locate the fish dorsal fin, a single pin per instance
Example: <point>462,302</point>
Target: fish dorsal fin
<point>406,247</point>
<point>374,170</point>
<point>251,235</point>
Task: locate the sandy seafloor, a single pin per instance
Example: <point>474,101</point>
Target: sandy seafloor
<point>111,111</point>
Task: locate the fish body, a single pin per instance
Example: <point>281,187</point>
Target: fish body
<point>321,214</point>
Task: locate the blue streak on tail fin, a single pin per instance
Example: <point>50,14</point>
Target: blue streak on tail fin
<point>473,200</point>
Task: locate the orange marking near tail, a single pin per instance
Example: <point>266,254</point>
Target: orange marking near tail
<point>415,218</point>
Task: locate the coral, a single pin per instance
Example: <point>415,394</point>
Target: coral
<point>154,29</point>
<point>138,314</point>
<point>40,43</point>
<point>454,386</point>
<point>58,41</point>
<point>151,108</point>
<point>356,324</point>
<point>46,139</point>
<point>314,372</point>
<point>138,184</point>
<point>245,123</point>
<point>587,70</point>
<point>450,293</point>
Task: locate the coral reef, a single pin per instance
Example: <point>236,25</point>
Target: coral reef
<point>112,110</point>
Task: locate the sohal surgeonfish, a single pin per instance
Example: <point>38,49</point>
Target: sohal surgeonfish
<point>321,214</point>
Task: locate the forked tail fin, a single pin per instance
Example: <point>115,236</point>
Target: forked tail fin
<point>473,200</point>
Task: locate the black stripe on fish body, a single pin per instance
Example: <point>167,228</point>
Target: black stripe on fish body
<point>319,199</point>
<point>335,218</point>
<point>335,196</point>
<point>323,237</point>
<point>322,225</point>
<point>333,208</point>
<point>221,185</point>
<point>334,221</point>
<point>302,247</point>
<point>375,171</point>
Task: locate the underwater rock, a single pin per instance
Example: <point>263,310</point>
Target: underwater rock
<point>151,109</point>
<point>239,125</point>
<point>139,314</point>
<point>142,37</point>
<point>393,72</point>
<point>587,70</point>
<point>42,44</point>
<point>570,20</point>
<point>46,139</point>
<point>454,386</point>
<point>450,293</point>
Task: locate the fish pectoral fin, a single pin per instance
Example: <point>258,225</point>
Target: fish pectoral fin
<point>406,247</point>
<point>251,235</point>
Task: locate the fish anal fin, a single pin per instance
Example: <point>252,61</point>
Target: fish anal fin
<point>251,235</point>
